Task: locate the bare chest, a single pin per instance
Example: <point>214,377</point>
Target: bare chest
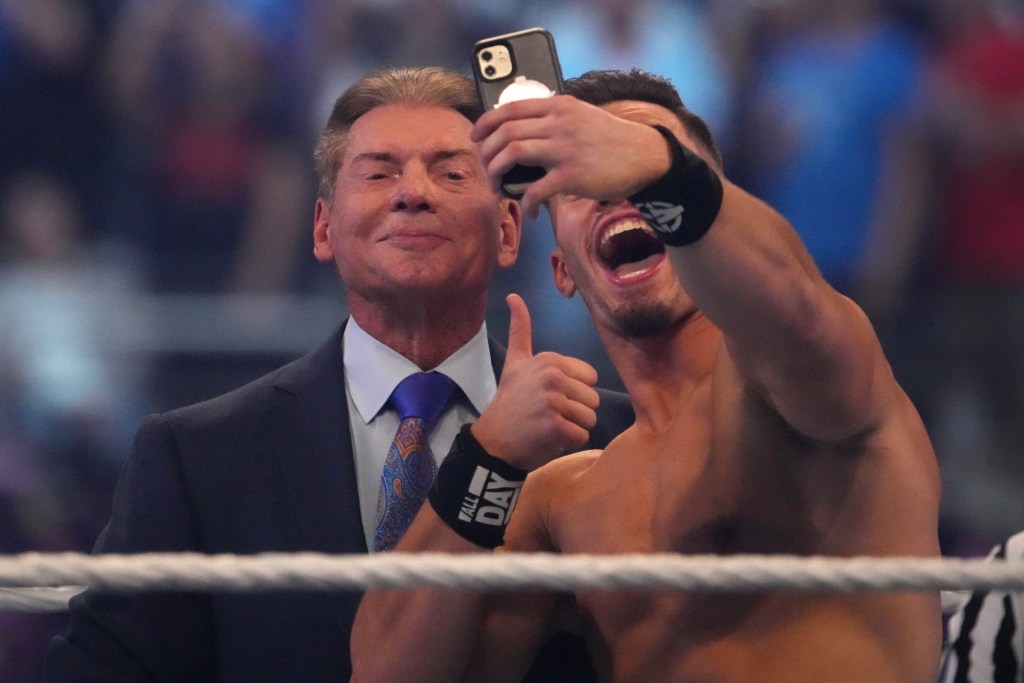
<point>677,494</point>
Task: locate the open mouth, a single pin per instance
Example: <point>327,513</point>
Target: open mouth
<point>630,249</point>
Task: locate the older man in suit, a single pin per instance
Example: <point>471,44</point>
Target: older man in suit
<point>299,460</point>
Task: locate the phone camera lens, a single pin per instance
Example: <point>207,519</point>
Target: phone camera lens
<point>490,71</point>
<point>486,55</point>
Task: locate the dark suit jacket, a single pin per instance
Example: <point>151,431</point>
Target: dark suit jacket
<point>265,468</point>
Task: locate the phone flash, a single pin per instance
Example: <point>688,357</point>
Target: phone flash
<point>522,88</point>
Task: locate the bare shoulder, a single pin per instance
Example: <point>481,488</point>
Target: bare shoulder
<point>560,470</point>
<point>555,476</point>
<point>530,526</point>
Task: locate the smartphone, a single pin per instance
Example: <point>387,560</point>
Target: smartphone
<point>511,67</point>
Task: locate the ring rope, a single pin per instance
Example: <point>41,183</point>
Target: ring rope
<point>501,571</point>
<point>39,600</point>
<point>42,600</point>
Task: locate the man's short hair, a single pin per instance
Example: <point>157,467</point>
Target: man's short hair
<point>429,86</point>
<point>601,87</point>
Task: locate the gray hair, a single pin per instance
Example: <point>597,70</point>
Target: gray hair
<point>430,86</point>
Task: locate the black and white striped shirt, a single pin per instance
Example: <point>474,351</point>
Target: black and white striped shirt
<point>986,633</point>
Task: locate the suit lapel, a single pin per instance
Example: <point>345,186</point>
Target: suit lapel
<point>313,443</point>
<point>308,427</point>
<point>497,355</point>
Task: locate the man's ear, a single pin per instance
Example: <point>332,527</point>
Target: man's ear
<point>322,249</point>
<point>510,232</point>
<point>563,281</point>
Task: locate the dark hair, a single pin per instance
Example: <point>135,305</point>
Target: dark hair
<point>432,86</point>
<point>602,87</point>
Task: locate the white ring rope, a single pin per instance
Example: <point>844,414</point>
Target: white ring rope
<point>502,571</point>
<point>37,599</point>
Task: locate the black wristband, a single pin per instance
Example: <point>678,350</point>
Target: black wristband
<point>474,492</point>
<point>683,203</point>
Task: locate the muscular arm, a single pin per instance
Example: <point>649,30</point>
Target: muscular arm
<point>810,351</point>
<point>439,627</point>
<point>444,636</point>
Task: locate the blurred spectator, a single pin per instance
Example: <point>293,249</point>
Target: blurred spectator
<point>345,40</point>
<point>69,397</point>
<point>836,85</point>
<point>68,321</point>
<point>49,502</point>
<point>337,52</point>
<point>421,32</point>
<point>54,487</point>
<point>31,518</point>
<point>976,286</point>
<point>52,115</point>
<point>208,146</point>
<point>670,37</point>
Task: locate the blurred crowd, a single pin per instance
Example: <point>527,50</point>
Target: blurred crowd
<point>156,194</point>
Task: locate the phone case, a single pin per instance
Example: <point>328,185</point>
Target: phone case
<point>514,66</point>
<point>533,56</point>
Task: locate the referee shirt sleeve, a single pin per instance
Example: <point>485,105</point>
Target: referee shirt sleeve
<point>986,633</point>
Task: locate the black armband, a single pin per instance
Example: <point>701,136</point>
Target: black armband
<point>683,203</point>
<point>474,492</point>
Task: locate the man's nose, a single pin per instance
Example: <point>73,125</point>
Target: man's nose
<point>413,192</point>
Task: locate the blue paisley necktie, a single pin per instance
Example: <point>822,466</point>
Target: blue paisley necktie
<point>409,468</point>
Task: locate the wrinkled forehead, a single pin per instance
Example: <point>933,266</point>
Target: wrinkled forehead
<point>409,128</point>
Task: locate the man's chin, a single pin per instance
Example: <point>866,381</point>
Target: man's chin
<point>638,321</point>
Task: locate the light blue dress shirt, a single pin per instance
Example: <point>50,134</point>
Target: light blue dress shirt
<point>372,371</point>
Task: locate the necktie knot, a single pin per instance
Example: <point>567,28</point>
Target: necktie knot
<point>424,395</point>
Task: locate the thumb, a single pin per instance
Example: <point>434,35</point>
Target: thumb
<point>520,332</point>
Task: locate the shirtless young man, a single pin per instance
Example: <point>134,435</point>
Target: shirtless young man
<point>768,421</point>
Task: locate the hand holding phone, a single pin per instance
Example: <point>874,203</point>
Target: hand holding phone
<point>517,66</point>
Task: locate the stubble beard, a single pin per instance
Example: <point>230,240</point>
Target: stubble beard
<point>643,319</point>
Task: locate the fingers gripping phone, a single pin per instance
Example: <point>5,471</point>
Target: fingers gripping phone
<point>517,66</point>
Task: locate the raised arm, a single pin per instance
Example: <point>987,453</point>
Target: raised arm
<point>808,350</point>
<point>545,404</point>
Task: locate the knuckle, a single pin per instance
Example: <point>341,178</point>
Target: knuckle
<point>551,376</point>
<point>516,148</point>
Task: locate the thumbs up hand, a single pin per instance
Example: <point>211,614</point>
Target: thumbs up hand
<point>545,404</point>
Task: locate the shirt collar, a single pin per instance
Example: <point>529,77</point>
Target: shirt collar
<point>373,370</point>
